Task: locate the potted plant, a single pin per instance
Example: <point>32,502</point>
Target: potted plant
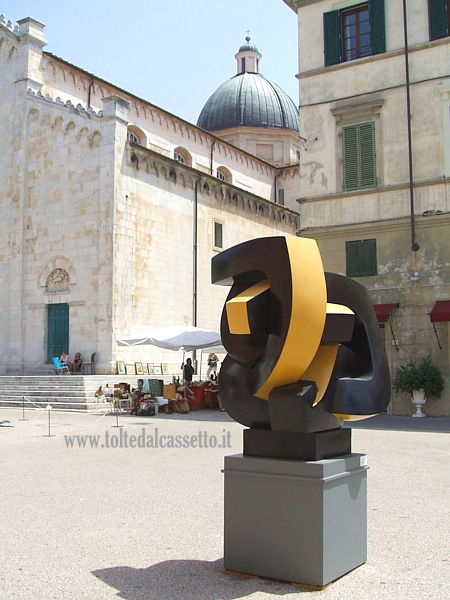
<point>419,378</point>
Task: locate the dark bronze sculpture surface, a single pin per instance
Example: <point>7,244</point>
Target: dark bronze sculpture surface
<point>304,349</point>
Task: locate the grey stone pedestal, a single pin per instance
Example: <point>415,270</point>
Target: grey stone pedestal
<point>296,521</point>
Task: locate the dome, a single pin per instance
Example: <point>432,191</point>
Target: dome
<point>248,47</point>
<point>249,100</point>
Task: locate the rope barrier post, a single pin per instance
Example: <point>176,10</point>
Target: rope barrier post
<point>49,409</point>
<point>117,408</point>
<point>23,410</point>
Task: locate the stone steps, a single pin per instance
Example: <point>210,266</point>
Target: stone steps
<point>64,392</point>
<point>32,404</point>
<point>77,393</point>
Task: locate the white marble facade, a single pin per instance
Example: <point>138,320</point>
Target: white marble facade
<point>96,213</point>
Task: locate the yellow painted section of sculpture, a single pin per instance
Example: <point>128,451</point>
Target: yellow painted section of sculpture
<point>237,313</point>
<point>321,368</point>
<point>309,300</point>
<point>338,309</point>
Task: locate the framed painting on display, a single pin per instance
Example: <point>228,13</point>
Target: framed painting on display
<point>139,368</point>
<point>121,368</point>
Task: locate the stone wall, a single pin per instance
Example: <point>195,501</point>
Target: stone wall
<point>118,231</point>
<point>396,282</point>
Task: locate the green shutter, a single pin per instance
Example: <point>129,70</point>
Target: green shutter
<point>368,257</point>
<point>332,32</point>
<point>359,159</point>
<point>438,19</point>
<point>350,157</point>
<point>367,155</point>
<point>352,258</point>
<point>377,26</point>
<point>361,258</point>
<point>332,37</point>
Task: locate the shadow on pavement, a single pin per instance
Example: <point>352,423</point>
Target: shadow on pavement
<point>195,415</point>
<point>397,423</point>
<point>190,580</point>
<point>382,421</point>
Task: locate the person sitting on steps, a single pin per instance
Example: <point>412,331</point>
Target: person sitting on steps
<point>77,363</point>
<point>64,360</point>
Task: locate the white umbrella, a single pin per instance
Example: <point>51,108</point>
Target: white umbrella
<point>143,337</point>
<point>175,337</point>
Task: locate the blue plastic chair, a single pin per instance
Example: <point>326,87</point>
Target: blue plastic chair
<point>60,369</point>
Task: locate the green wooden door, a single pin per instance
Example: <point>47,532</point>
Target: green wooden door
<point>57,330</point>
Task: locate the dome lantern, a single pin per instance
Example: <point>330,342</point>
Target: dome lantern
<point>248,58</point>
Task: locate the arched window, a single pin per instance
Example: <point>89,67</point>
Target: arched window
<point>136,135</point>
<point>132,137</point>
<point>182,156</point>
<point>224,174</point>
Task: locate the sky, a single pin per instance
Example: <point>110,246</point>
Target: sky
<point>173,53</point>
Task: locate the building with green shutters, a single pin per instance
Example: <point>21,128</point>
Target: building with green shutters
<point>375,173</point>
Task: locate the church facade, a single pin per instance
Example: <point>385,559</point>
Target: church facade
<point>112,209</point>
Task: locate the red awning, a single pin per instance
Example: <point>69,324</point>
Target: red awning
<point>383,311</point>
<point>440,311</point>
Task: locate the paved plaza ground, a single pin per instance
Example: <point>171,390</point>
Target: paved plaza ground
<point>135,523</point>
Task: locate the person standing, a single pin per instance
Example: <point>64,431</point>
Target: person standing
<point>213,359</point>
<point>188,373</point>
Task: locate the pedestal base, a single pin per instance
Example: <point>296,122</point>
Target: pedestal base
<point>296,521</point>
<point>295,445</point>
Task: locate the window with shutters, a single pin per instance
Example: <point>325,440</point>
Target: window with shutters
<point>444,89</point>
<point>361,258</point>
<point>438,18</point>
<point>358,155</point>
<point>354,32</point>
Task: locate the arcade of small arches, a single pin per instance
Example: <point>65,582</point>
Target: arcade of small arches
<point>137,135</point>
<point>145,161</point>
<point>160,168</point>
<point>139,109</point>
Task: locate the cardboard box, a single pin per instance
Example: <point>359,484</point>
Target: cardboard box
<point>169,391</point>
